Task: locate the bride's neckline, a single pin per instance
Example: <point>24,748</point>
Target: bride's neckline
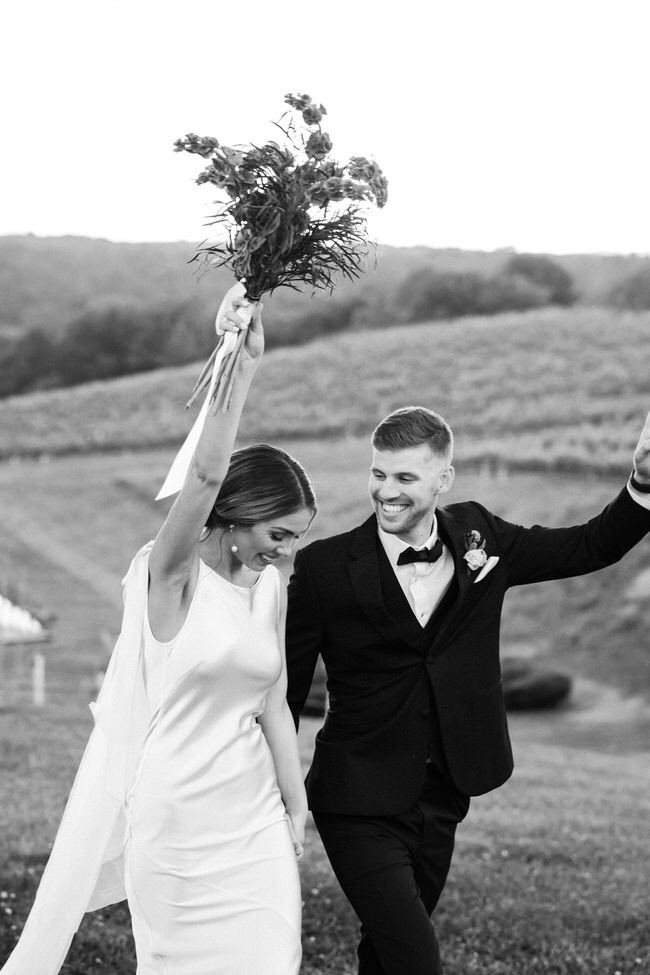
<point>228,581</point>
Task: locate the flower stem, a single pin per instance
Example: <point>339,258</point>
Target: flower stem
<point>204,378</point>
<point>241,338</point>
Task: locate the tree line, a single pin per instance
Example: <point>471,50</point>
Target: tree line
<point>125,336</point>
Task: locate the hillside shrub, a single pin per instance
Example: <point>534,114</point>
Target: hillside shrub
<point>103,342</point>
<point>434,295</point>
<point>29,363</point>
<point>119,337</point>
<point>632,293</point>
<point>509,292</point>
<point>530,687</point>
<point>542,272</point>
<point>317,318</point>
<point>429,294</point>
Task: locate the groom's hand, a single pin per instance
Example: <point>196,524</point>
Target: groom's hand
<point>642,455</point>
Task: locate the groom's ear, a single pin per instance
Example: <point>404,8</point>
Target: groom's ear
<point>445,480</point>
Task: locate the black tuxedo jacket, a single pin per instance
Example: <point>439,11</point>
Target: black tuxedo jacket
<point>385,675</point>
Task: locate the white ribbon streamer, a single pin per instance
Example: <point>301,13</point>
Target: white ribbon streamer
<point>181,464</point>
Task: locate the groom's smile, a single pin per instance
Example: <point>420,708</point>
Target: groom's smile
<point>404,486</point>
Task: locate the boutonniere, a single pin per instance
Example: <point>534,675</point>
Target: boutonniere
<point>475,554</point>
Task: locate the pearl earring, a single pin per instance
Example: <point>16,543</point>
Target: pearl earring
<point>233,547</point>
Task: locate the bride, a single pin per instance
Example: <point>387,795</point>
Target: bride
<point>189,799</point>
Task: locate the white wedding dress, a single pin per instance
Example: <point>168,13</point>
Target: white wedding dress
<point>190,822</point>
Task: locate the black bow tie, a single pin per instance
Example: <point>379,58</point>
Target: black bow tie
<point>420,555</point>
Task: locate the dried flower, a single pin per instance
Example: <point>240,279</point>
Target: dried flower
<point>318,145</point>
<point>298,101</point>
<point>313,114</point>
<point>275,234</point>
<point>293,215</point>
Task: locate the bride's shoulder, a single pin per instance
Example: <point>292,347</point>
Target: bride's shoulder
<point>274,577</point>
<point>138,563</point>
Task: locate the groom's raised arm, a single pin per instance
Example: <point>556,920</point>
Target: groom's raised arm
<point>538,554</point>
<point>304,635</point>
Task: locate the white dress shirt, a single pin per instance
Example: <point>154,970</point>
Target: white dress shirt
<point>423,583</point>
<point>642,499</point>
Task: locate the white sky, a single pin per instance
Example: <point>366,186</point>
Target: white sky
<point>499,123</point>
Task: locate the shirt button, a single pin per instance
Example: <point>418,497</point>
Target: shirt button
<point>429,659</point>
<point>425,712</point>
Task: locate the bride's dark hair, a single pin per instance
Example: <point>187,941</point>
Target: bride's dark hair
<point>262,482</point>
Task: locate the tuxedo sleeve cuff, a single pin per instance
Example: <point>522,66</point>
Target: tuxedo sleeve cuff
<point>642,499</point>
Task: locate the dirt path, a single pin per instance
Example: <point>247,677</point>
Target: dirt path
<point>43,538</point>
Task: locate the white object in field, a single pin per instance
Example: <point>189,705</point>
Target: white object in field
<point>17,624</point>
<point>38,680</point>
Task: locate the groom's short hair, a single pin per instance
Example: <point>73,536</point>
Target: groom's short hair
<point>412,426</point>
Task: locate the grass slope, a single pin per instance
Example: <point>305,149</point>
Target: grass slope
<point>562,389</point>
<point>550,872</point>
<point>550,876</point>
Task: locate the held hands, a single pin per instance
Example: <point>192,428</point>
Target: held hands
<point>642,455</point>
<point>297,823</point>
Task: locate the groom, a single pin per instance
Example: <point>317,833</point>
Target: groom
<point>405,611</point>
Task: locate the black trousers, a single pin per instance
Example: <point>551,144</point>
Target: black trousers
<point>392,869</point>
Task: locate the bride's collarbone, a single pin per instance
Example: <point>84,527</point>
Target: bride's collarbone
<point>229,569</point>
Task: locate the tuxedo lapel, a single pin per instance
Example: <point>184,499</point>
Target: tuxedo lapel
<point>452,530</point>
<point>365,576</point>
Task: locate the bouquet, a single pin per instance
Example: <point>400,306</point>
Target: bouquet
<point>292,216</point>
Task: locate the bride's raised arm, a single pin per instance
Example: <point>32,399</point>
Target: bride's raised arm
<point>173,562</point>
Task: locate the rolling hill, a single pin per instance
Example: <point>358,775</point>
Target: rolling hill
<point>549,389</point>
<point>45,282</point>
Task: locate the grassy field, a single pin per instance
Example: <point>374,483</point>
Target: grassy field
<point>550,874</point>
<point>551,871</point>
<point>554,389</point>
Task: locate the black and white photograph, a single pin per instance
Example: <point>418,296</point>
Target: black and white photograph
<point>325,488</point>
